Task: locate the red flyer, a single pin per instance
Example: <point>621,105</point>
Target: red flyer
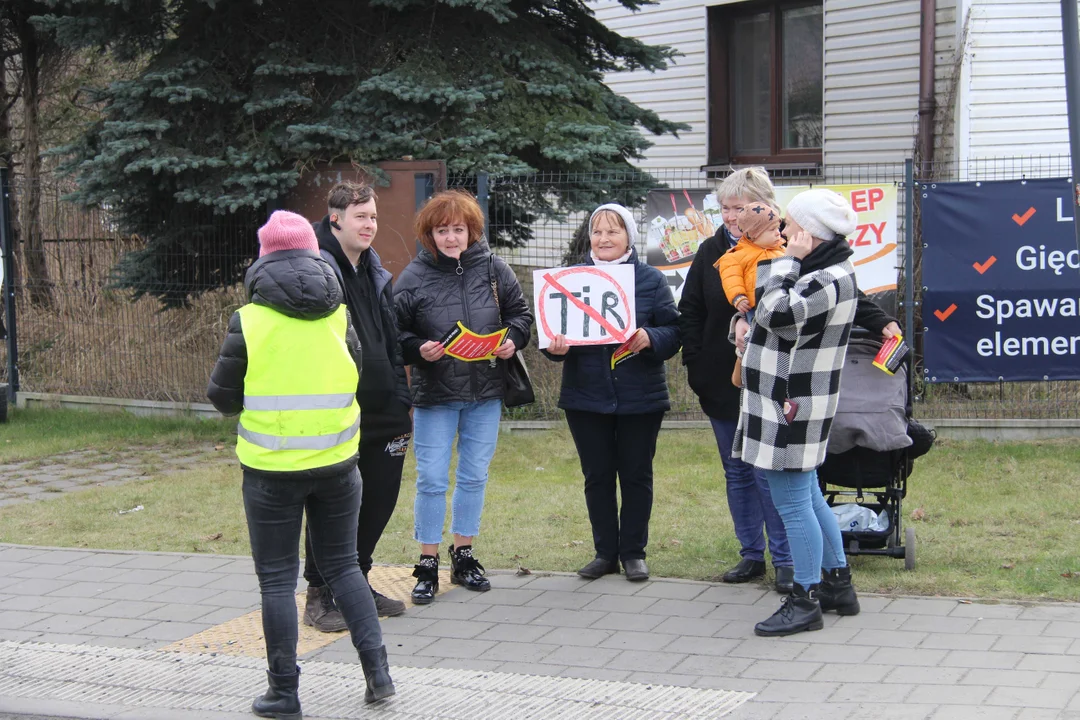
<point>463,344</point>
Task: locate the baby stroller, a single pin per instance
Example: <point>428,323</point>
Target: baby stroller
<point>873,444</point>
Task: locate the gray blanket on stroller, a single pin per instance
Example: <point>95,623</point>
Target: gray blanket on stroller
<point>870,412</point>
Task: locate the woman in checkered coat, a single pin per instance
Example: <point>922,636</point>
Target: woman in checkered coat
<point>791,380</point>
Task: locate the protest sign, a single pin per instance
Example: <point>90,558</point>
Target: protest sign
<point>590,305</point>
<point>1002,288</point>
<point>463,344</point>
<point>673,240</point>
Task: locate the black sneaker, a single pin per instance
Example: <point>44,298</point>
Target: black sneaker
<point>321,613</point>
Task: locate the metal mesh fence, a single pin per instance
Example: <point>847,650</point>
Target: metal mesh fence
<point>91,338</point>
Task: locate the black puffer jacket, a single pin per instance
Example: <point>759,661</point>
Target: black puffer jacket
<point>297,283</point>
<point>431,295</point>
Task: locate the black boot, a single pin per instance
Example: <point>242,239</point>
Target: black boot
<point>377,674</point>
<point>837,593</point>
<point>281,700</point>
<point>798,612</point>
<point>426,573</point>
<point>465,570</point>
<point>745,571</point>
<point>320,611</point>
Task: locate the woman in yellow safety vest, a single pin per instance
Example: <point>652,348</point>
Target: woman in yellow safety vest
<point>288,367</point>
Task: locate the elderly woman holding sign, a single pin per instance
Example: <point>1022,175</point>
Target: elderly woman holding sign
<point>615,397</point>
<point>455,287</point>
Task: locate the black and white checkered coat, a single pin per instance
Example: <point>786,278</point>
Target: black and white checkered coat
<point>795,353</point>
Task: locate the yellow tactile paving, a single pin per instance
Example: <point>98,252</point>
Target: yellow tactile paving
<point>244,635</point>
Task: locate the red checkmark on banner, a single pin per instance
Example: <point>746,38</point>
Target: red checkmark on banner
<point>944,315</point>
<point>983,267</point>
<point>1021,219</point>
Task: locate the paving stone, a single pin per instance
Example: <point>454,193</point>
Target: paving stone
<point>746,613</point>
<point>405,625</point>
<point>43,571</point>
<point>701,645</point>
<point>179,613</point>
<point>122,642</point>
<point>798,692</point>
<point>504,596</point>
<point>873,621</point>
<point>862,673</point>
<point>1059,681</point>
<point>63,638</point>
<point>1059,628</point>
<point>504,652</point>
<point>673,590</point>
<point>985,611</point>
<point>755,710</point>
<point>907,711</point>
<point>1040,645</point>
<point>72,606</point>
<point>616,585</point>
<point>561,582</point>
<point>835,635</point>
<point>944,695</point>
<point>458,648</point>
<point>229,598</point>
<point>61,623</point>
<point>21,602</point>
<point>567,655</point>
<point>188,579</point>
<point>83,589</point>
<point>888,638</point>
<point>1050,663</point>
<point>126,608</point>
<point>918,657</point>
<point>1005,678</point>
<point>396,645</point>
<point>954,641</point>
<point>937,624</point>
<point>620,603</point>
<point>36,587</point>
<point>131,591</point>
<point>468,664</point>
<point>983,712</point>
<point>58,557</point>
<point>17,635</point>
<point>767,649</point>
<point>140,576</point>
<point>1066,613</point>
<point>696,627</point>
<point>448,611</point>
<point>833,655</point>
<point>455,628</point>
<point>1040,714</point>
<point>776,669</point>
<point>170,631</point>
<point>1008,627</point>
<point>869,692</point>
<point>19,619</point>
<point>583,637</point>
<point>562,599</point>
<point>991,660</point>
<point>417,661</point>
<point>655,678</point>
<point>712,665</point>
<point>201,563</point>
<point>514,633</point>
<point>118,627</point>
<point>524,668</point>
<point>1050,698</point>
<point>151,561</point>
<point>522,615</point>
<point>20,554</point>
<point>626,640</point>
<point>646,661</point>
<point>628,621</point>
<point>678,608</point>
<point>241,583</point>
<point>181,594</point>
<point>732,595</point>
<point>832,711</point>
<point>920,606</point>
<point>598,673</point>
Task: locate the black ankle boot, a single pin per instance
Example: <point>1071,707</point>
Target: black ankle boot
<point>837,593</point>
<point>466,571</point>
<point>426,573</point>
<point>798,612</point>
<point>282,699</point>
<point>377,674</point>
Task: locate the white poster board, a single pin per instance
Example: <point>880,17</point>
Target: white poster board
<point>589,304</point>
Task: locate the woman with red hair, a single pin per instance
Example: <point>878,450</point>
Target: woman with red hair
<point>451,280</point>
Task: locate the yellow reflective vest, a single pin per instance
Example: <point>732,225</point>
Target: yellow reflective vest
<point>300,410</point>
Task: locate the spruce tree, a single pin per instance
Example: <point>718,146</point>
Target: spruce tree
<point>236,98</point>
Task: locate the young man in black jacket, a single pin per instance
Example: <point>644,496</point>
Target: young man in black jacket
<point>345,236</point>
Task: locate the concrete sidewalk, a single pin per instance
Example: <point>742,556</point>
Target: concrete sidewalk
<point>99,634</point>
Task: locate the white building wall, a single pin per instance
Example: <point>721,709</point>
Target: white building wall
<point>1013,100</point>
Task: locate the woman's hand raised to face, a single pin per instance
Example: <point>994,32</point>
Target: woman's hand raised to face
<point>432,350</point>
<point>800,246</point>
<point>558,345</point>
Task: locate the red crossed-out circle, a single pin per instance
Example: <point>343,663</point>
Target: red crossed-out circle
<point>617,334</point>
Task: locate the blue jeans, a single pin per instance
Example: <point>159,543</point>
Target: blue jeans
<point>476,425</point>
<point>811,526</point>
<point>274,508</point>
<point>750,503</point>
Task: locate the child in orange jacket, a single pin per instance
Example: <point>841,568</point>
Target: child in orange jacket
<point>760,225</point>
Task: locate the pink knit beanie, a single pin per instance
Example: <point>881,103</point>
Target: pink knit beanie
<point>286,231</point>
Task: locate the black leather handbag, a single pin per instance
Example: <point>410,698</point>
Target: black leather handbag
<point>517,387</point>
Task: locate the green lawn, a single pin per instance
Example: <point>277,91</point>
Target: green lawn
<point>998,520</point>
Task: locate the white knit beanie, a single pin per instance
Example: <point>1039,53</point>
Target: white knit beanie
<point>823,213</point>
<point>627,218</point>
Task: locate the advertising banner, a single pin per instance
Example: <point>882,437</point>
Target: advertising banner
<point>680,220</point>
<point>1002,281</point>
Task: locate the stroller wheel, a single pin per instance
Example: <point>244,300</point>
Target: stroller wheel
<point>909,548</point>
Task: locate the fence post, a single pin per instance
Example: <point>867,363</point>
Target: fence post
<point>482,197</point>
<point>909,264</point>
<point>7,249</point>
